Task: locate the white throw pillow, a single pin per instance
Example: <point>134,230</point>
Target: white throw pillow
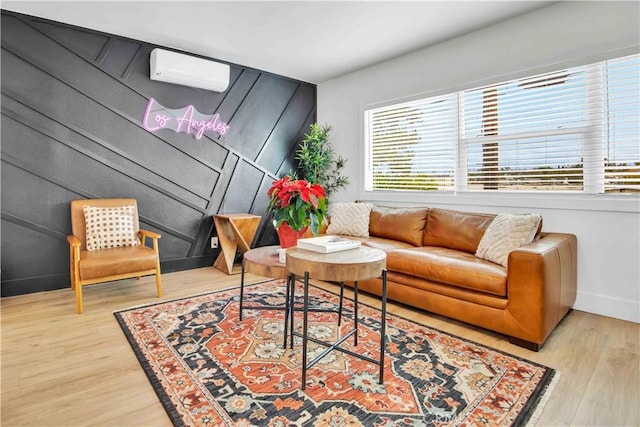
<point>506,233</point>
<point>110,227</point>
<point>349,219</point>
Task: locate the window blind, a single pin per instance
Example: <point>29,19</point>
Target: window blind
<point>575,129</point>
<point>622,161</point>
<point>532,134</point>
<point>413,145</point>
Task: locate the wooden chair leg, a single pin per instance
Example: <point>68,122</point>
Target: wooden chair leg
<point>158,280</point>
<point>78,298</point>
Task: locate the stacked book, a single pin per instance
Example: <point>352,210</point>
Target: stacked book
<point>328,244</point>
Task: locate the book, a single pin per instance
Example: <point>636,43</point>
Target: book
<point>327,244</point>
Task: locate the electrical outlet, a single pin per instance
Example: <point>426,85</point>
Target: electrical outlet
<point>214,243</point>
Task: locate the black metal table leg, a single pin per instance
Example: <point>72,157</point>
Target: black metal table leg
<point>383,325</point>
<point>340,306</point>
<point>355,312</point>
<point>292,307</point>
<point>287,310</point>
<point>305,325</point>
<point>241,288</point>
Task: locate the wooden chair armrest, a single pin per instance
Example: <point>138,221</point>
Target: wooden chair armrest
<point>73,241</point>
<point>149,234</point>
<point>153,236</point>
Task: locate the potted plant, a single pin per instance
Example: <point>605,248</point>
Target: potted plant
<point>318,162</point>
<point>296,205</point>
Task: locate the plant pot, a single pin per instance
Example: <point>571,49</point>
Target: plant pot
<point>288,236</point>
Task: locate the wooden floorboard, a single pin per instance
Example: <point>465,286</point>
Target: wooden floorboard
<point>64,369</point>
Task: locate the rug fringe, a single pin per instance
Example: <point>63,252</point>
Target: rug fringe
<point>533,420</point>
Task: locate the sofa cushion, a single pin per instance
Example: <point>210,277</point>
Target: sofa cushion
<point>455,230</point>
<point>385,245</point>
<point>349,219</point>
<point>506,233</point>
<point>403,224</point>
<point>451,267</point>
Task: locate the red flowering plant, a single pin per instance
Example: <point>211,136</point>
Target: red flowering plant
<point>298,203</point>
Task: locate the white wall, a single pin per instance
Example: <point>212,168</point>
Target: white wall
<point>563,34</point>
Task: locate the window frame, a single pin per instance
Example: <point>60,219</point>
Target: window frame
<point>590,198</point>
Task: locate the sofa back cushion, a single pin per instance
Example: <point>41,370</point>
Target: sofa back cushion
<point>403,224</point>
<point>455,230</point>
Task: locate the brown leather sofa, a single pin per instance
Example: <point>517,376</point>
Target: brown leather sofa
<point>431,265</point>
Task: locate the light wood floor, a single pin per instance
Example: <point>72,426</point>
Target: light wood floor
<point>64,369</point>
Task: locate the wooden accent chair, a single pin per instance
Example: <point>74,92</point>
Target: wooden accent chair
<point>93,259</point>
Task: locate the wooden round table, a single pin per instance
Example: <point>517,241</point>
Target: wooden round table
<point>264,261</point>
<point>349,265</point>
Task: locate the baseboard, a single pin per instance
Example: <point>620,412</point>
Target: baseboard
<point>187,263</point>
<point>29,285</point>
<point>605,305</point>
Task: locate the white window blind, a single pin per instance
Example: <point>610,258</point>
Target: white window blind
<point>533,133</point>
<point>575,129</point>
<point>622,161</point>
<point>412,145</point>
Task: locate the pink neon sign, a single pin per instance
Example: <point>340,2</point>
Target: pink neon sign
<point>185,120</point>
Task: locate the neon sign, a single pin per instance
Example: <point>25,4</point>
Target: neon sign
<point>185,120</point>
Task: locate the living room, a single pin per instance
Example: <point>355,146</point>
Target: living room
<point>73,102</point>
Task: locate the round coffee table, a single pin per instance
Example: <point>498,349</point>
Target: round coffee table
<point>263,261</point>
<point>349,265</point>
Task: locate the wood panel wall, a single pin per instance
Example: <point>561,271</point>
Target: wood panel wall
<point>72,106</point>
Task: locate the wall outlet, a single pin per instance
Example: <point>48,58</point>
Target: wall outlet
<point>214,243</point>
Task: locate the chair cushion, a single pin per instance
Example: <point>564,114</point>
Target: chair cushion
<point>110,227</point>
<point>114,261</point>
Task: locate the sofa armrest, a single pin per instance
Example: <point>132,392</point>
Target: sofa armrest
<point>542,283</point>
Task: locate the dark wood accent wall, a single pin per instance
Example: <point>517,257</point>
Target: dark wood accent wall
<point>72,106</point>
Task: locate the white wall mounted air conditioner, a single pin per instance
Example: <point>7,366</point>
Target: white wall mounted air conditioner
<point>186,70</point>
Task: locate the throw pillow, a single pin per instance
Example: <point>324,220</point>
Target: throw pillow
<point>349,219</point>
<point>110,227</point>
<point>506,233</point>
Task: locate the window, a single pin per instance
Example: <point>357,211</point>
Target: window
<point>572,130</point>
<point>412,147</point>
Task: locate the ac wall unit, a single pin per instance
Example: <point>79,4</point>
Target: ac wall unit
<point>173,67</point>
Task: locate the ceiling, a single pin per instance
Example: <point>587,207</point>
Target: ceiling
<point>313,41</point>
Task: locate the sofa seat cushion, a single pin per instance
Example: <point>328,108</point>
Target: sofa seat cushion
<point>451,267</point>
<point>111,262</point>
<point>385,245</point>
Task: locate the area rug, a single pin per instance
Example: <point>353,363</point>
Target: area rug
<point>209,368</point>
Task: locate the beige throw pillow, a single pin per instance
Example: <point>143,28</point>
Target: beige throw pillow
<point>506,233</point>
<point>110,227</point>
<point>349,219</point>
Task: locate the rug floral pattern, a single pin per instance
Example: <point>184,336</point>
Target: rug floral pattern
<point>209,368</point>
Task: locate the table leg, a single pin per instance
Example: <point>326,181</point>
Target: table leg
<point>383,325</point>
<point>340,306</point>
<point>305,324</point>
<point>287,307</point>
<point>241,288</point>
<point>292,307</point>
<point>355,312</point>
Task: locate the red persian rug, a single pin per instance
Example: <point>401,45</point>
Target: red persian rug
<point>209,368</point>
